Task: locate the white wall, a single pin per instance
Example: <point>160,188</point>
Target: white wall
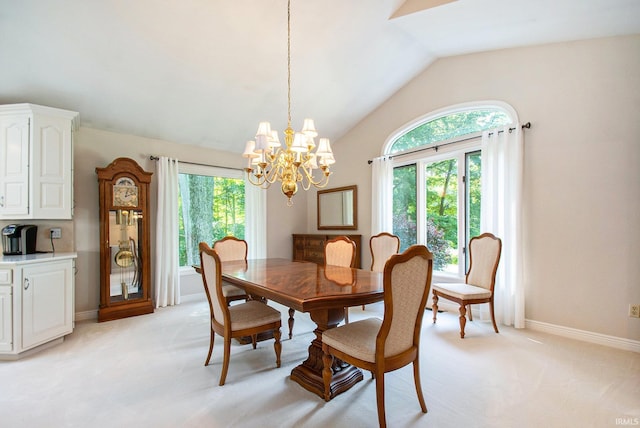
<point>582,168</point>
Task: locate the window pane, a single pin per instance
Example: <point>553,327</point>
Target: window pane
<point>450,126</point>
<point>473,197</point>
<point>442,214</point>
<point>404,205</point>
<point>210,208</point>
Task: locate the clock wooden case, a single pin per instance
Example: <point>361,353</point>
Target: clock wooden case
<point>125,269</point>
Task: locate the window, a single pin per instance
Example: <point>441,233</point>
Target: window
<point>437,193</point>
<point>211,205</point>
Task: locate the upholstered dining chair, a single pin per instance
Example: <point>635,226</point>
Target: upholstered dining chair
<point>231,248</point>
<point>238,320</point>
<point>381,346</point>
<point>383,245</point>
<point>484,257</point>
<point>340,251</point>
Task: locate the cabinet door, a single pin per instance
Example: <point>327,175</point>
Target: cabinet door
<point>47,302</point>
<point>6,318</point>
<point>14,170</point>
<point>51,170</point>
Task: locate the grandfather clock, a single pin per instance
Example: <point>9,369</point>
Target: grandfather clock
<point>125,289</point>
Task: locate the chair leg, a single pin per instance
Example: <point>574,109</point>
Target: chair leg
<point>225,359</point>
<point>493,318</point>
<point>211,339</point>
<point>277,345</point>
<point>463,320</point>
<point>434,307</point>
<point>346,315</point>
<point>291,321</point>
<point>470,312</point>
<point>327,374</point>
<point>254,340</point>
<point>416,379</point>
<point>382,420</point>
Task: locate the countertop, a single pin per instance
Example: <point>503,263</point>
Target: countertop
<point>36,258</point>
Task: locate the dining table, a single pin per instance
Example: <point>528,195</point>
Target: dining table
<point>322,291</point>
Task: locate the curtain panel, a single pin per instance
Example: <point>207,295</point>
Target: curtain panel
<point>381,195</point>
<point>501,214</point>
<point>167,263</point>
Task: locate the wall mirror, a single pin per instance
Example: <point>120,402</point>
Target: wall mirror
<point>338,208</point>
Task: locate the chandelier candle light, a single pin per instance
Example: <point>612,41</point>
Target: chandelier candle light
<point>269,162</point>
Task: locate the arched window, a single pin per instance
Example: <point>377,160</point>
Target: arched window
<point>437,170</point>
<point>449,126</point>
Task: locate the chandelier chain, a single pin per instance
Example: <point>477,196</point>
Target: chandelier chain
<point>294,161</point>
<point>289,63</point>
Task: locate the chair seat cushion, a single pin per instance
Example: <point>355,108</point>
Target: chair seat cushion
<point>357,339</point>
<point>252,314</point>
<point>229,290</point>
<point>462,290</point>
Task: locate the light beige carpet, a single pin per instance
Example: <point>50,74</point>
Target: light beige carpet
<point>148,371</point>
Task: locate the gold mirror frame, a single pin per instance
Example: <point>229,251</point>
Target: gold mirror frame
<point>338,208</point>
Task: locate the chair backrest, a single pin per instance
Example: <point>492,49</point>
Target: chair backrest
<point>231,248</point>
<point>407,281</point>
<point>484,256</point>
<point>340,251</point>
<point>383,246</point>
<point>212,280</point>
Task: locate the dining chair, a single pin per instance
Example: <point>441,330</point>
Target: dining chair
<point>231,248</point>
<point>383,245</point>
<point>484,257</point>
<point>340,251</point>
<point>381,346</point>
<point>238,320</point>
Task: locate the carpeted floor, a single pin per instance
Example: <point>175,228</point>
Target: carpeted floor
<point>148,371</point>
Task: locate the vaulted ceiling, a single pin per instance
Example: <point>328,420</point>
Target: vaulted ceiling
<point>205,72</point>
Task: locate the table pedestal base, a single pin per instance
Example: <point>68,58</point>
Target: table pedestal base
<point>309,373</point>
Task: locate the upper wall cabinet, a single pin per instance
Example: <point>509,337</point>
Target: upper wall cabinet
<point>36,162</point>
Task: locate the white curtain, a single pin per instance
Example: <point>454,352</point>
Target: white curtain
<point>381,195</point>
<point>502,172</point>
<point>255,232</point>
<point>167,264</point>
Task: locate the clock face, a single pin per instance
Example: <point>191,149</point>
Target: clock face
<point>125,193</point>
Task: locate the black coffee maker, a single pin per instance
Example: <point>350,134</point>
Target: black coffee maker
<point>19,239</point>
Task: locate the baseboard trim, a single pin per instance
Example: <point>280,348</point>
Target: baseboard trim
<point>87,315</point>
<point>585,336</point>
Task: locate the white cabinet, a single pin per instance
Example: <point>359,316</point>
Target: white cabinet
<point>37,305</point>
<point>47,299</point>
<point>6,317</point>
<point>36,162</point>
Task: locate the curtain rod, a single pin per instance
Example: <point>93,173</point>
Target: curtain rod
<point>155,158</point>
<point>526,125</point>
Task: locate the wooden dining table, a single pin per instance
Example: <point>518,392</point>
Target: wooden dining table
<point>323,293</point>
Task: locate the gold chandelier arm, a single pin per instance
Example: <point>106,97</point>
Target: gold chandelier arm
<point>311,181</point>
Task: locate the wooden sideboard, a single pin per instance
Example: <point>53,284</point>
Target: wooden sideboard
<point>310,247</point>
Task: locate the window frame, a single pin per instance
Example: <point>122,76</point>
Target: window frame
<point>209,171</point>
<point>458,147</point>
<point>421,160</point>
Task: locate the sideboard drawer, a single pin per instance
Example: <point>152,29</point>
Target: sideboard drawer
<point>310,247</point>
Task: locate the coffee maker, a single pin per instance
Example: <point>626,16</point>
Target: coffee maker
<point>19,239</point>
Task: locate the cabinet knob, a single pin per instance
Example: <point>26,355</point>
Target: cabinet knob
<point>1,201</point>
<point>26,283</point>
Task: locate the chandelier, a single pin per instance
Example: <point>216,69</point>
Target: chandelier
<point>295,162</point>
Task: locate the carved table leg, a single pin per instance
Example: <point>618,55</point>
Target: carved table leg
<point>309,373</point>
